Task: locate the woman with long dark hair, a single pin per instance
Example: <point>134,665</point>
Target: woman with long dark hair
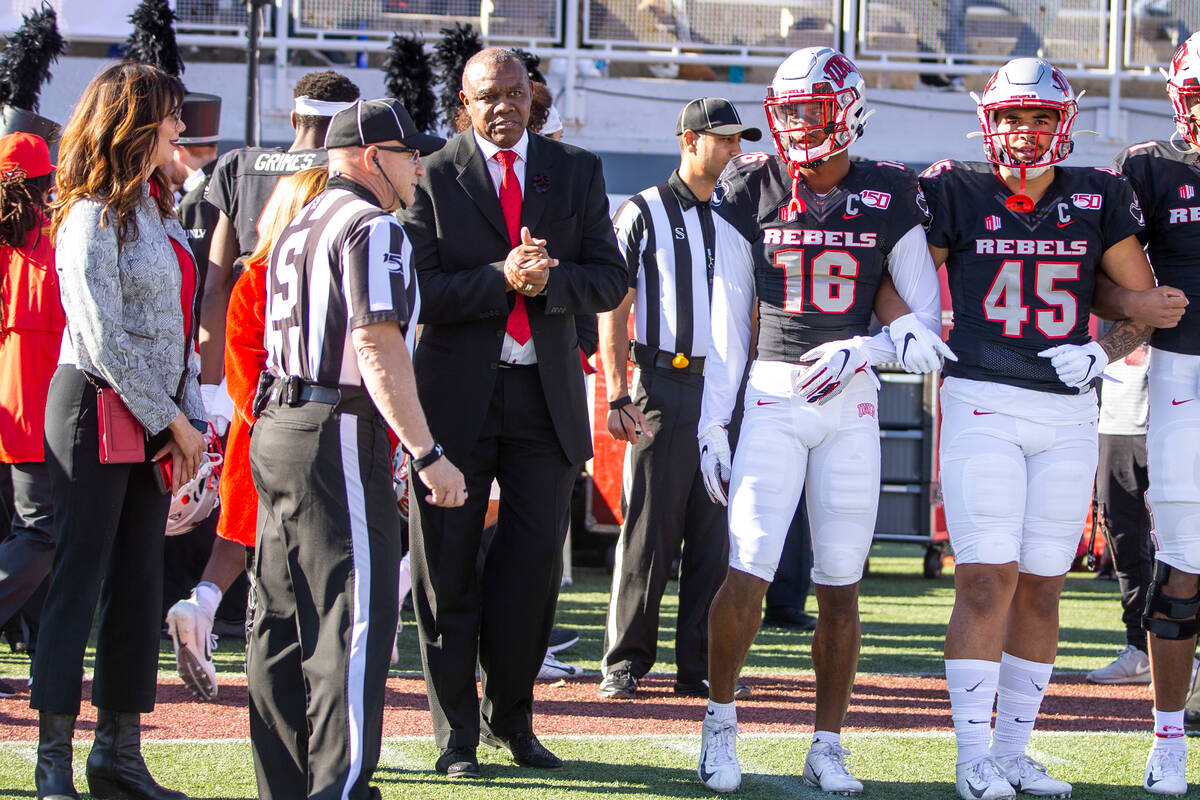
<point>31,325</point>
<point>122,423</point>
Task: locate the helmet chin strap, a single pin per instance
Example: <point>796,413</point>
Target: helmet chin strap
<point>1020,201</point>
<point>795,205</point>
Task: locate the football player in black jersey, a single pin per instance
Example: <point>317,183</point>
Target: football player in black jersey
<point>1166,177</point>
<point>810,237</point>
<point>1023,242</point>
<point>242,183</point>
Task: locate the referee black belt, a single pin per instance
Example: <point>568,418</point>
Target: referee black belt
<point>293,391</point>
<point>646,357</point>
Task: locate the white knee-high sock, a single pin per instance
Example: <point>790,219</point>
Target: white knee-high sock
<point>1022,687</point>
<point>972,684</point>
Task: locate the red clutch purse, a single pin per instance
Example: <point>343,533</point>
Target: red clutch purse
<point>122,437</point>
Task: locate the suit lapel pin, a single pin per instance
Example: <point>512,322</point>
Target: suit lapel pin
<point>541,182</point>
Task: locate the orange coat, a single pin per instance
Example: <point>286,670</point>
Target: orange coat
<point>31,326</point>
<point>245,358</point>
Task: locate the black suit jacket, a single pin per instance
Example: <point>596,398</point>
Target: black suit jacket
<point>460,241</point>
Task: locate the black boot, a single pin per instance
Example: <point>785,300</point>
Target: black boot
<point>115,769</point>
<point>53,776</point>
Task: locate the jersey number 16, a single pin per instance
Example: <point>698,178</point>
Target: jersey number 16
<point>831,280</point>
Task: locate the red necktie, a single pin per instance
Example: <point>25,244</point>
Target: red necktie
<point>510,203</point>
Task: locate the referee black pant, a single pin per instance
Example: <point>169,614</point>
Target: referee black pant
<point>325,609</point>
<point>666,508</point>
<point>1121,485</point>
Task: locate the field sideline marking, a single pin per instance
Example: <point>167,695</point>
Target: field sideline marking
<point>649,737</point>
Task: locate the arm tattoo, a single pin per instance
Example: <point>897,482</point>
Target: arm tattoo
<point>1124,337</point>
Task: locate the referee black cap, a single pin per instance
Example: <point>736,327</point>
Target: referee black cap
<point>714,115</point>
<point>375,121</point>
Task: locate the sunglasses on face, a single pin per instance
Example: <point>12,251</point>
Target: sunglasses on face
<point>414,155</point>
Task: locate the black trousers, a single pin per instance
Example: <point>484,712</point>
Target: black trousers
<point>499,616</point>
<point>1121,485</point>
<point>27,554</point>
<point>666,508</point>
<point>108,521</point>
<point>325,601</point>
<point>793,577</point>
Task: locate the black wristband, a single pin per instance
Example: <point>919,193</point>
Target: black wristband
<point>620,402</point>
<point>429,458</point>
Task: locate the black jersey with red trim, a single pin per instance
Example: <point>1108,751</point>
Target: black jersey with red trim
<point>1022,282</point>
<point>816,273</point>
<point>244,181</point>
<point>1168,184</point>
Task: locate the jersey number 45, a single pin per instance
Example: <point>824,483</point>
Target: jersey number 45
<point>1005,300</point>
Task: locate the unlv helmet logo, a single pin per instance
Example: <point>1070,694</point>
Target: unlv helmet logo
<point>1179,57</point>
<point>1059,81</point>
<point>992,223</point>
<point>1187,191</point>
<point>837,68</point>
<point>866,410</point>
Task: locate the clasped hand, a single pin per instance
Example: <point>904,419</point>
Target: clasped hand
<point>527,267</point>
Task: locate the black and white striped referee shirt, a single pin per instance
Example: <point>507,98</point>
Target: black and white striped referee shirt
<point>340,264</point>
<point>666,237</point>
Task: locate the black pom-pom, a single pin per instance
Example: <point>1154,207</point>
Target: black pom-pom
<point>25,63</point>
<point>408,76</point>
<point>153,39</point>
<point>457,46</point>
<point>531,64</point>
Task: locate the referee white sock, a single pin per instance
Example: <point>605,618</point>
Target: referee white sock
<point>972,685</point>
<point>1022,687</point>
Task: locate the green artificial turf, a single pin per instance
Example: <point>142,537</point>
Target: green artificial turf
<point>904,622</point>
<point>893,766</point>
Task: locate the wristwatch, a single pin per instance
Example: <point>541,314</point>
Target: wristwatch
<point>429,458</point>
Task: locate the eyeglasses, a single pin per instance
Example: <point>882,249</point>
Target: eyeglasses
<point>177,113</point>
<point>414,155</point>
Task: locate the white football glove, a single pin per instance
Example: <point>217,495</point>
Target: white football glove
<point>716,463</point>
<point>918,349</point>
<point>218,406</point>
<point>836,364</point>
<point>1077,365</point>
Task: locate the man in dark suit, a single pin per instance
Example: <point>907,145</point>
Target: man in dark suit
<point>499,375</point>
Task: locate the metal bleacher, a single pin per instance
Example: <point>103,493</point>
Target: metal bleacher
<point>1112,37</point>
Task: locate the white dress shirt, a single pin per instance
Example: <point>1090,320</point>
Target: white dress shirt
<point>510,351</point>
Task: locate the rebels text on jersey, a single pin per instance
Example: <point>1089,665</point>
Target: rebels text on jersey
<point>244,180</point>
<point>816,272</point>
<point>1168,184</point>
<point>1022,282</point>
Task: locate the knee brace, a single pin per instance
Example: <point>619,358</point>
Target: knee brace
<point>1181,612</point>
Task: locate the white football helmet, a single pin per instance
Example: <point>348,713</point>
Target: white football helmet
<point>1183,87</point>
<point>1027,83</point>
<point>198,498</point>
<point>816,105</point>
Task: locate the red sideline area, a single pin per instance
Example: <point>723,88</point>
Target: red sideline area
<point>781,704</point>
